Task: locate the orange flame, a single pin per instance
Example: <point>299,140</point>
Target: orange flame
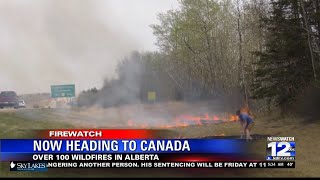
<point>186,120</point>
<point>222,134</point>
<point>233,118</point>
<point>215,118</point>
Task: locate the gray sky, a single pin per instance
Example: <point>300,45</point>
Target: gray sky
<point>49,42</point>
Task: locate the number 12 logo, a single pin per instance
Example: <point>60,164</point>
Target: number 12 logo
<point>281,149</point>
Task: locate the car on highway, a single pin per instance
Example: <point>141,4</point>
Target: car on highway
<point>8,99</point>
<point>21,104</point>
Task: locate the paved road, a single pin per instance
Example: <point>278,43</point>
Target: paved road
<point>11,109</point>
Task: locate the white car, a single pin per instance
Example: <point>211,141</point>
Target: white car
<point>21,104</point>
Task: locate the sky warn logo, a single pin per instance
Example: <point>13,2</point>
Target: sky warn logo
<point>28,166</point>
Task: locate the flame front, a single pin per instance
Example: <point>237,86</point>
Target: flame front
<point>185,120</point>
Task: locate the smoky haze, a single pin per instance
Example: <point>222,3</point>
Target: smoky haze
<point>47,42</point>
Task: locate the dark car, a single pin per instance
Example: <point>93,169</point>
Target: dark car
<point>8,99</point>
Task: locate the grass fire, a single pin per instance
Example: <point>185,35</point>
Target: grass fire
<point>184,120</point>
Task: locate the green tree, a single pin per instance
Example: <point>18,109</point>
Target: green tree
<point>284,69</point>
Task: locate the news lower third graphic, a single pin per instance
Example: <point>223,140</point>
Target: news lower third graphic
<point>145,151</point>
<point>281,149</point>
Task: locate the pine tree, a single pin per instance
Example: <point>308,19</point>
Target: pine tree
<point>284,68</point>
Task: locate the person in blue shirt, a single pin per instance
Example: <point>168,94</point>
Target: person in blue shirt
<point>246,123</point>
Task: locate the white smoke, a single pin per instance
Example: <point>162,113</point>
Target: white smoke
<point>46,42</point>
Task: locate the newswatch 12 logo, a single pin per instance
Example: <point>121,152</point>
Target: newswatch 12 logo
<point>281,148</point>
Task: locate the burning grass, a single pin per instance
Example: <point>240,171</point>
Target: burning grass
<point>162,115</point>
<point>183,121</point>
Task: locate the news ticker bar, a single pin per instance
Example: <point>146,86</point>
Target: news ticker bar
<point>36,165</point>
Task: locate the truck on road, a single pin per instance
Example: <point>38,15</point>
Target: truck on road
<point>8,99</point>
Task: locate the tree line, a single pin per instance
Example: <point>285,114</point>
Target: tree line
<point>261,51</point>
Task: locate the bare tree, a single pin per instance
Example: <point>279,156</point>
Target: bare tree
<point>241,60</point>
<point>307,27</point>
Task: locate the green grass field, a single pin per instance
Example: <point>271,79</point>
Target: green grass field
<point>16,124</point>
